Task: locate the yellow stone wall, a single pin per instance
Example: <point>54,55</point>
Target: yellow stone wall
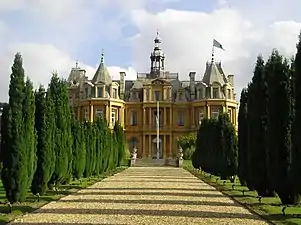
<point>145,131</point>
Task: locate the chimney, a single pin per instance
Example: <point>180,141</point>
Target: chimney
<point>192,85</point>
<point>122,85</point>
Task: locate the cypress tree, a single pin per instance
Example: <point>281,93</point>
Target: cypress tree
<point>45,125</point>
<point>15,166</point>
<point>243,138</point>
<point>279,128</point>
<point>4,129</point>
<point>63,138</point>
<point>120,141</point>
<point>89,137</point>
<point>30,136</point>
<point>258,123</point>
<point>296,150</point>
<point>228,147</point>
<point>79,149</point>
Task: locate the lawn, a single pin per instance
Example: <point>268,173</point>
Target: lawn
<point>269,208</point>
<point>32,204</point>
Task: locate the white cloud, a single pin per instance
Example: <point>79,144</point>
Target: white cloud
<point>243,29</point>
<point>40,60</point>
<point>187,40</point>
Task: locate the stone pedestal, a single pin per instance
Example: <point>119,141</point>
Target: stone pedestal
<point>180,163</point>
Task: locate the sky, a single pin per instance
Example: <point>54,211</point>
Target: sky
<point>53,35</point>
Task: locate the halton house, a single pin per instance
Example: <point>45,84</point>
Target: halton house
<point>156,108</point>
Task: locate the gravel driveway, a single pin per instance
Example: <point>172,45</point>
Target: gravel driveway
<point>141,195</point>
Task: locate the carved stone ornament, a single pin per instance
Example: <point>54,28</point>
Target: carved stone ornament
<point>180,153</point>
<point>134,153</point>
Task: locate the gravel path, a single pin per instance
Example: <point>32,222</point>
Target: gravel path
<point>141,195</point>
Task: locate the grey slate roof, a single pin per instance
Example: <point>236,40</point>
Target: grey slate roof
<point>102,74</point>
<point>214,73</point>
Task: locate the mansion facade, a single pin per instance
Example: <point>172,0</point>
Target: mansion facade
<point>134,103</point>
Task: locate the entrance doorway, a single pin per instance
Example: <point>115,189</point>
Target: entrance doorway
<point>155,153</point>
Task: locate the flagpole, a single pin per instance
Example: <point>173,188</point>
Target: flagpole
<point>158,129</point>
<point>212,53</point>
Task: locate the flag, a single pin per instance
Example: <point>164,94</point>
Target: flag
<point>217,44</point>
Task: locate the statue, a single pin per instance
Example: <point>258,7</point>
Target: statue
<point>134,153</point>
<point>180,157</point>
<point>180,153</point>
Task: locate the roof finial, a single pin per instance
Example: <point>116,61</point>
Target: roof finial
<point>102,56</point>
<point>76,64</point>
<point>212,55</point>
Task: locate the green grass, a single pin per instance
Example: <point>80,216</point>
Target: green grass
<point>32,204</point>
<point>270,208</point>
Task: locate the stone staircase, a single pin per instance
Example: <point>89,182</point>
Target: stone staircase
<point>148,162</point>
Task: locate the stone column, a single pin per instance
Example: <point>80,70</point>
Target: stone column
<point>150,117</point>
<point>170,117</point>
<point>107,112</point>
<point>164,146</point>
<point>121,114</point>
<point>164,110</point>
<point>150,146</point>
<point>170,145</point>
<point>144,116</point>
<point>110,115</point>
<point>143,145</point>
<point>91,113</point>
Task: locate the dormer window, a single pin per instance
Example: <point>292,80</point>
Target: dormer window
<point>215,92</point>
<point>114,93</point>
<point>180,96</point>
<point>157,95</point>
<point>100,92</point>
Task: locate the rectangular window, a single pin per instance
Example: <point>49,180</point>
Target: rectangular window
<point>86,115</point>
<point>201,117</point>
<point>157,96</point>
<point>100,92</point>
<point>133,121</point>
<point>215,93</point>
<point>180,119</point>
<point>99,113</point>
<point>214,112</point>
<point>86,93</point>
<point>113,118</point>
<point>229,94</point>
<point>114,93</point>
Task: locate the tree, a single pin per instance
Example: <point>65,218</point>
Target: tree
<point>257,117</point>
<point>45,125</point>
<point>228,147</point>
<point>15,166</point>
<point>120,141</point>
<point>30,136</point>
<point>79,149</point>
<point>63,139</point>
<point>296,140</point>
<point>279,128</point>
<point>243,165</point>
<point>187,143</point>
